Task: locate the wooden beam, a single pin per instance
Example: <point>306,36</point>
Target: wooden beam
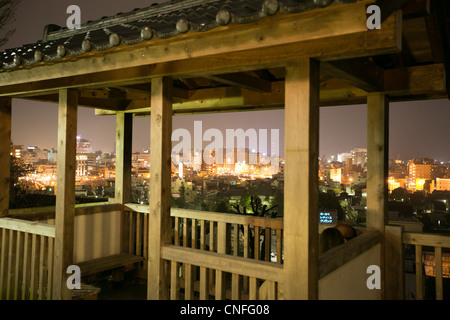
<point>97,103</point>
<point>255,46</point>
<point>417,80</point>
<point>160,230</point>
<point>377,160</point>
<point>124,133</point>
<point>145,88</point>
<point>377,167</point>
<point>243,80</point>
<point>5,151</point>
<point>360,73</point>
<point>301,180</point>
<point>124,136</point>
<point>65,192</point>
<point>394,271</point>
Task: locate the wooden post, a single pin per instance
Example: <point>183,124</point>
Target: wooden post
<point>160,230</point>
<point>65,191</point>
<point>124,131</point>
<point>395,278</point>
<point>377,169</point>
<point>5,150</point>
<point>301,180</point>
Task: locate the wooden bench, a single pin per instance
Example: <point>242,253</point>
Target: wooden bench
<point>86,292</point>
<point>117,264</point>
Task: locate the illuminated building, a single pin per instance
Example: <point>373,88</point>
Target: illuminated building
<point>17,151</point>
<point>442,184</point>
<point>336,175</point>
<point>359,156</point>
<point>84,145</point>
<point>81,168</point>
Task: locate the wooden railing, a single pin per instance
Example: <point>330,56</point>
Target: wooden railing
<point>217,254</point>
<point>26,260</point>
<point>438,242</point>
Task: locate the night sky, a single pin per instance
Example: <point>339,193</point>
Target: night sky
<point>417,129</point>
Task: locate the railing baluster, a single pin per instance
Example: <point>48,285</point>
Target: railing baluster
<point>204,284</point>
<point>419,275</point>
<point>138,234</point>
<point>204,279</point>
<point>438,277</point>
<point>253,293</point>
<point>145,240</point>
<point>26,267</point>
<point>18,266</point>
<point>177,231</point>
<point>272,290</point>
<point>50,267</point>
<point>10,272</point>
<point>279,247</point>
<point>42,267</point>
<point>256,254</point>
<point>174,286</point>
<point>267,243</point>
<point>221,248</point>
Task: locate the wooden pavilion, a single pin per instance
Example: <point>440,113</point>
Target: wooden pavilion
<point>192,56</point>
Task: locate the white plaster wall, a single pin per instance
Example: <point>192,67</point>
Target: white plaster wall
<point>349,281</point>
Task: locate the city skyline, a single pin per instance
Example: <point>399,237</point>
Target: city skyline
<point>417,129</point>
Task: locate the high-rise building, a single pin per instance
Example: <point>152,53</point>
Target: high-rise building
<point>359,156</point>
<point>84,145</point>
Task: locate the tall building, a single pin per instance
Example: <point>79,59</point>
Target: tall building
<point>84,145</point>
<point>359,156</point>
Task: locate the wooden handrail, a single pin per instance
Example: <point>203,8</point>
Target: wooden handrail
<point>37,214</point>
<point>338,256</point>
<point>222,262</point>
<point>275,223</point>
<point>41,229</point>
<point>426,239</point>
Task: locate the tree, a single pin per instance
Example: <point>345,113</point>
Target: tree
<point>18,170</point>
<point>7,11</point>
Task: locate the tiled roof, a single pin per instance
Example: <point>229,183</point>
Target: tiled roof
<point>159,21</point>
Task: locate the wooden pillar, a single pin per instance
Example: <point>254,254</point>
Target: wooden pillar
<point>377,160</point>
<point>377,168</point>
<point>160,230</point>
<point>301,180</point>
<point>124,135</point>
<point>5,150</point>
<point>65,191</point>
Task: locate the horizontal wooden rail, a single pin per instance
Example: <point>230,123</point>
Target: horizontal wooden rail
<point>40,229</point>
<point>276,223</point>
<point>225,263</point>
<point>38,214</point>
<point>426,239</point>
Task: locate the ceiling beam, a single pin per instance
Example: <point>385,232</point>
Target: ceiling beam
<point>243,80</point>
<point>360,73</point>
